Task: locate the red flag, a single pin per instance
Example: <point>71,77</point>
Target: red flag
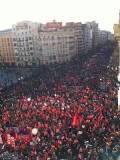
<point>16,136</point>
<point>75,120</point>
<point>90,117</point>
<point>99,120</point>
<point>8,137</point>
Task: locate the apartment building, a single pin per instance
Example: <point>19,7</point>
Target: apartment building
<point>31,43</point>
<point>25,36</point>
<point>7,55</point>
<point>77,29</point>
<point>87,34</point>
<point>105,36</point>
<point>56,45</point>
<point>94,33</point>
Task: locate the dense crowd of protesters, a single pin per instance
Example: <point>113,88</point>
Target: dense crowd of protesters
<point>70,114</point>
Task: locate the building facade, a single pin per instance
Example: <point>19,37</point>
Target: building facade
<point>56,45</point>
<point>25,36</point>
<point>87,34</point>
<point>31,43</point>
<point>105,36</point>
<point>94,33</point>
<point>77,29</point>
<point>7,55</point>
<point>53,25</point>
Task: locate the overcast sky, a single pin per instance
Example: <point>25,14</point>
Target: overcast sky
<point>105,12</point>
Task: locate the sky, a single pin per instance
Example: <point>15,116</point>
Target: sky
<point>105,12</point>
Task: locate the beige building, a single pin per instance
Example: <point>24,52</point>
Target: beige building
<point>56,45</point>
<point>6,47</point>
<point>77,29</point>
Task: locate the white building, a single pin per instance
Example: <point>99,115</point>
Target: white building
<point>49,43</point>
<point>110,36</point>
<point>52,42</point>
<point>56,45</point>
<point>94,33</point>
<point>25,36</point>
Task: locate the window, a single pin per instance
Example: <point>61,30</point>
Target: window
<point>53,44</point>
<point>40,49</point>
<point>58,38</point>
<point>52,37</point>
<point>14,39</point>
<point>54,57</point>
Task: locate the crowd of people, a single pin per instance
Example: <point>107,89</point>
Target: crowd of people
<point>68,113</point>
<point>10,75</point>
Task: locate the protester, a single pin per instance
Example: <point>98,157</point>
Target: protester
<point>68,113</point>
